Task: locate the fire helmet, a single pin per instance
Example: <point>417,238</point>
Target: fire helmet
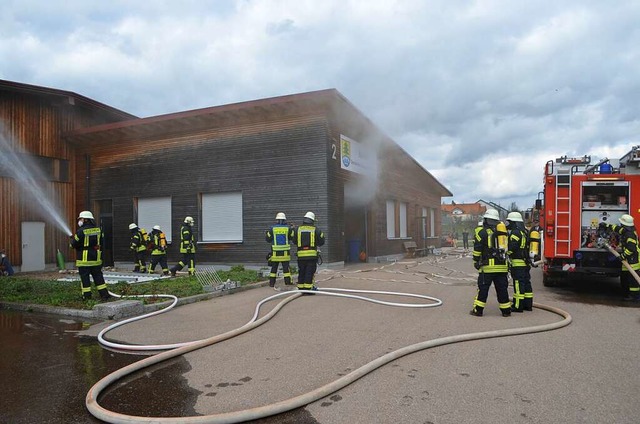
<point>626,220</point>
<point>281,216</point>
<point>188,220</point>
<point>514,217</point>
<point>132,226</point>
<point>491,214</point>
<point>86,215</point>
<point>156,227</point>
<point>310,215</point>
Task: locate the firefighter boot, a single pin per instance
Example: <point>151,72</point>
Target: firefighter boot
<point>527,304</point>
<point>506,312</point>
<point>476,311</point>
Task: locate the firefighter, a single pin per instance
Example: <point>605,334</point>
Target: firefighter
<point>629,244</point>
<point>138,245</point>
<point>490,259</point>
<point>5,264</point>
<point>187,248</point>
<point>87,243</point>
<point>307,238</point>
<point>278,235</point>
<point>158,241</point>
<point>518,253</point>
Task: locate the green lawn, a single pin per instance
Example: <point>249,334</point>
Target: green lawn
<point>23,289</point>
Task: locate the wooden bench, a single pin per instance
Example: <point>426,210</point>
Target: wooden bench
<point>412,249</point>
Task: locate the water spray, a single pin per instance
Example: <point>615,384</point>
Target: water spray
<point>22,169</point>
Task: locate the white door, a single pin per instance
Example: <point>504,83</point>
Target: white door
<point>32,246</point>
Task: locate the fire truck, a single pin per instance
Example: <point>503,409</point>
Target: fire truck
<point>577,197</point>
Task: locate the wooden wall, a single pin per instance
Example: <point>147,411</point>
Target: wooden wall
<point>277,164</point>
<point>33,124</point>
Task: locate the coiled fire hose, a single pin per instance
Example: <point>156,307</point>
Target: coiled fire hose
<point>296,402</point>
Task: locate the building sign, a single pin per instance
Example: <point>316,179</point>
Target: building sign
<point>355,157</point>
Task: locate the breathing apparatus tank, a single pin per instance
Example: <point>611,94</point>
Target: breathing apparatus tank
<point>534,245</point>
<point>501,231</point>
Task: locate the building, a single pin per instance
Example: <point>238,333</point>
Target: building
<point>233,167</point>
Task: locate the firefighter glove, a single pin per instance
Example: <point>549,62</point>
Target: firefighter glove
<point>477,265</point>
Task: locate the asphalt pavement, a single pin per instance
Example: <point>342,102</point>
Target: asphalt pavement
<point>587,372</point>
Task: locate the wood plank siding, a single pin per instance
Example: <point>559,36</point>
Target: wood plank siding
<point>281,154</point>
<point>32,121</point>
<point>277,165</point>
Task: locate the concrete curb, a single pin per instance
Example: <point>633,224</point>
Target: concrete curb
<point>120,309</point>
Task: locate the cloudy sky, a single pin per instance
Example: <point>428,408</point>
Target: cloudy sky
<point>481,93</point>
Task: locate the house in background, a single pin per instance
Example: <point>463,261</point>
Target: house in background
<point>460,217</point>
<point>231,167</point>
<point>491,205</point>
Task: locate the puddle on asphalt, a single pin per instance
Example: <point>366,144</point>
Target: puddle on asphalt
<point>46,371</point>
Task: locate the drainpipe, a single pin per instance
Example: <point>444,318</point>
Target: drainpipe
<point>87,185</point>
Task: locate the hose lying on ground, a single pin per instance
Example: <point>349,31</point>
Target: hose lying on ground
<point>298,401</point>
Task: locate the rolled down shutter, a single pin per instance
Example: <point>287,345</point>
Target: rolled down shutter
<point>222,217</point>
<point>155,211</point>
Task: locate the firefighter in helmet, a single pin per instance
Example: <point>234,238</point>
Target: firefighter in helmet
<point>278,236</point>
<point>87,243</point>
<point>138,246</point>
<point>490,259</point>
<point>307,238</point>
<point>629,244</point>
<point>187,248</point>
<point>518,253</point>
<point>158,242</point>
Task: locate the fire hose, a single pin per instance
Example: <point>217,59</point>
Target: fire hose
<point>298,401</point>
<point>624,262</point>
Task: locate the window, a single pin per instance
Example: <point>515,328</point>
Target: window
<point>423,223</point>
<point>391,219</point>
<point>432,223</point>
<point>155,211</point>
<point>221,217</point>
<point>396,219</point>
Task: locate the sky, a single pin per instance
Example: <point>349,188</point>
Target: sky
<point>480,93</point>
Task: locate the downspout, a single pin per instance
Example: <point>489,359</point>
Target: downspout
<point>87,182</point>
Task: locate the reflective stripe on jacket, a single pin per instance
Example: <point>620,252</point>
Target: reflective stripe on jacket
<point>308,238</point>
<point>278,235</point>
<point>519,248</point>
<point>87,243</point>
<point>487,252</point>
<point>187,240</point>
<point>159,241</point>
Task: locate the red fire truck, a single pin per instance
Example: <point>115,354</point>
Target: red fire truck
<point>578,196</point>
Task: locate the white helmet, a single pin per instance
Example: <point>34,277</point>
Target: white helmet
<point>132,226</point>
<point>310,215</point>
<point>626,220</point>
<point>480,223</point>
<point>156,227</point>
<point>281,215</point>
<point>86,215</point>
<point>514,217</point>
<point>491,214</point>
<point>188,220</point>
